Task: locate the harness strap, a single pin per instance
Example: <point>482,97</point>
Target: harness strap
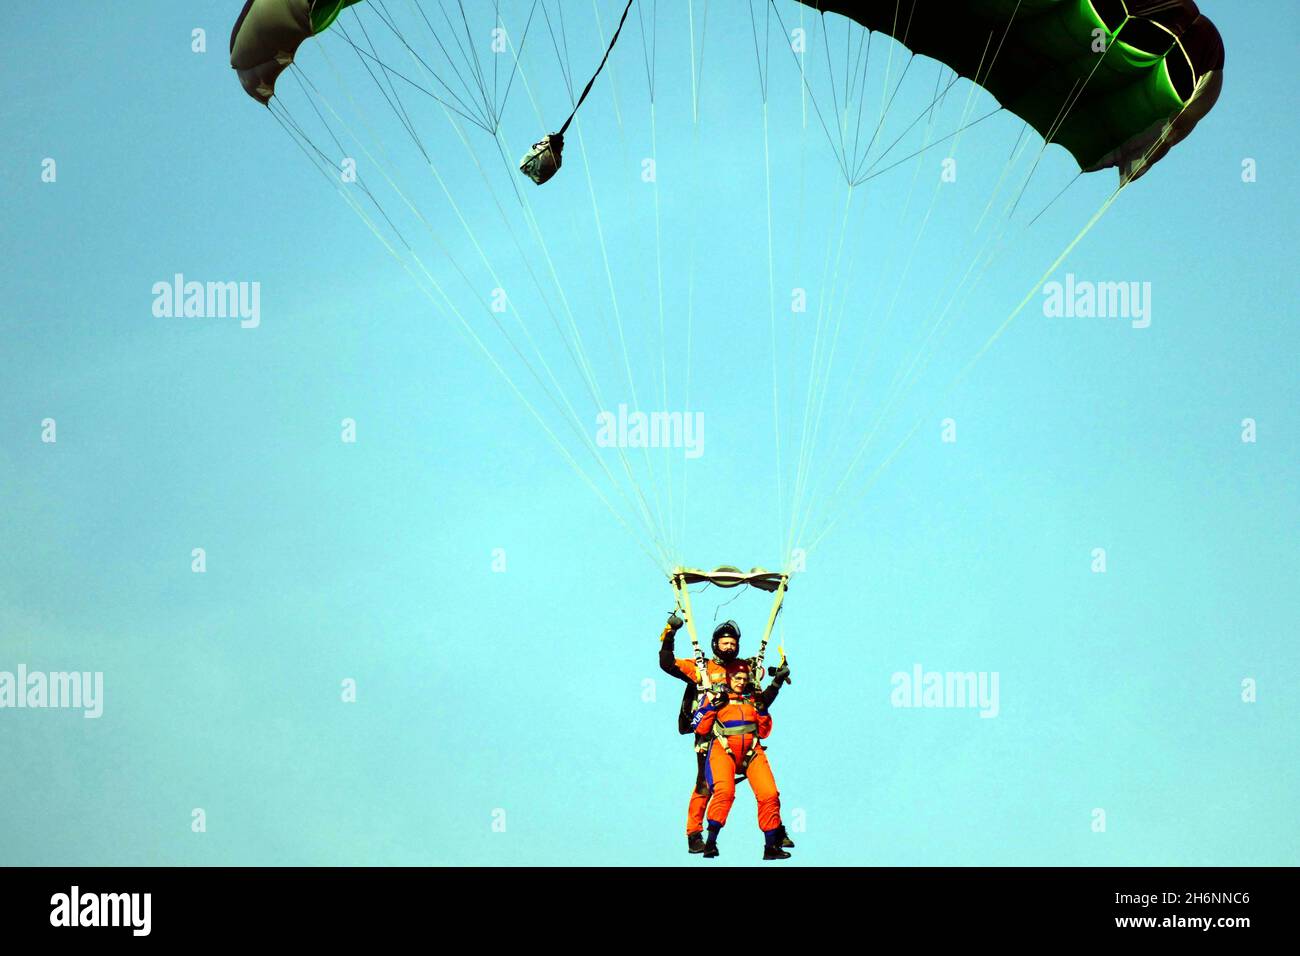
<point>736,731</point>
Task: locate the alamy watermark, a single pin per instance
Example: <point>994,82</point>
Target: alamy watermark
<point>74,690</point>
<point>182,299</point>
<point>1080,299</point>
<point>946,689</point>
<point>626,429</point>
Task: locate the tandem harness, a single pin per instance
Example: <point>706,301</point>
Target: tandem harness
<point>775,583</point>
<point>722,733</point>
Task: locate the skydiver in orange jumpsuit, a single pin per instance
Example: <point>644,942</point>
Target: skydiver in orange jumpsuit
<point>725,662</point>
<point>726,647</point>
<point>734,721</point>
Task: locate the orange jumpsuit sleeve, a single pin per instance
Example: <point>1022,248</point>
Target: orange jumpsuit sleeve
<point>687,667</point>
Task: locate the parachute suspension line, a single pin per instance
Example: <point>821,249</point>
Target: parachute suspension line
<point>489,119</point>
<point>662,559</point>
<point>846,157</point>
<point>1063,114</point>
<point>825,309</point>
<point>468,47</point>
<point>884,114</point>
<point>771,297</point>
<point>649,50</point>
<point>486,120</point>
<point>649,53</point>
<point>903,379</point>
<point>889,66</point>
<point>460,108</point>
<point>982,260</point>
<point>808,90</point>
<point>433,235</point>
<point>574,420</point>
<point>697,66</point>
<point>571,418</point>
<point>1017,150</point>
<point>1077,177</point>
<point>860,175</point>
<point>818,382</point>
<point>619,323</point>
<point>652,524</point>
<point>390,94</point>
<point>322,161</point>
<point>911,258</point>
<point>802,206</point>
<point>314,154</point>
<point>929,133</point>
<point>956,76</point>
<point>449,309</point>
<point>656,523</point>
<point>614,300</point>
<point>1060,260</point>
<point>891,268</point>
<point>835,97</point>
<point>465,110</point>
<point>663,336</point>
<point>501,104</point>
<point>771,259</point>
<point>845,420</point>
<point>800,57</point>
<point>955,133</point>
<point>566,69</point>
<point>696,78</point>
<point>759,62</point>
<point>863,62</point>
<point>478,247</point>
<point>1105,206</point>
<point>591,82</point>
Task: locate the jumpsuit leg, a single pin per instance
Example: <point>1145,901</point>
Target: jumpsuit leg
<point>699,799</point>
<point>720,775</point>
<point>761,781</point>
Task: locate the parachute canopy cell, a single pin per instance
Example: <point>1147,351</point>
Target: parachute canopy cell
<point>1116,82</point>
<point>267,35</point>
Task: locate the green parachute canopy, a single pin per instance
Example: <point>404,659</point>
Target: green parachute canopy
<point>1116,82</point>
<point>267,35</point>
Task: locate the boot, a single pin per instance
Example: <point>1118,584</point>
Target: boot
<point>695,842</point>
<point>711,846</point>
<point>775,853</point>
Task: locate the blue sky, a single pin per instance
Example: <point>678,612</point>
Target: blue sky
<point>531,694</point>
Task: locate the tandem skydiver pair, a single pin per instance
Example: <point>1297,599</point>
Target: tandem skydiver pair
<point>726,711</point>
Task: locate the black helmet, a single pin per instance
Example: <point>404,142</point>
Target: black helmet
<point>726,629</point>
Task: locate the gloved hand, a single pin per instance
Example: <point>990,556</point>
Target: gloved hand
<point>782,674</point>
<point>674,622</point>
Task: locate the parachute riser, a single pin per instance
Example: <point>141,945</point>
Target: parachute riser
<point>684,604</point>
<point>777,601</point>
